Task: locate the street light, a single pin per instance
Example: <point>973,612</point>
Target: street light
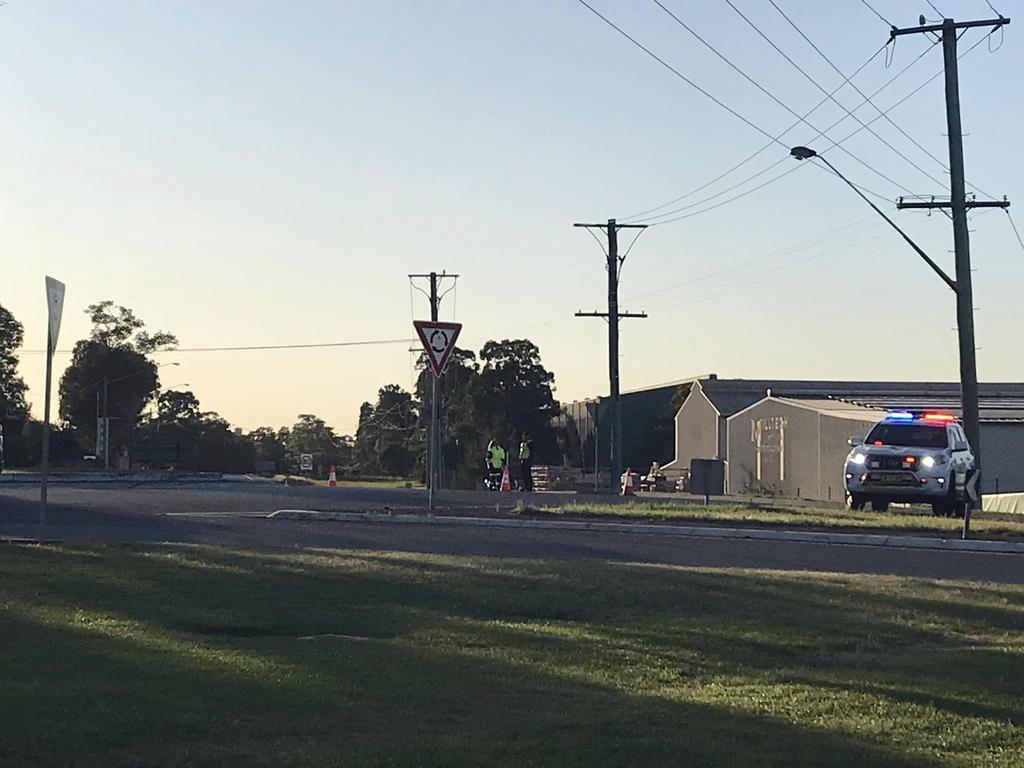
<point>104,384</point>
<point>806,153</point>
<point>968,388</point>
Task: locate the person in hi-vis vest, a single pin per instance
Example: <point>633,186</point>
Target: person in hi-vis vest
<point>526,462</point>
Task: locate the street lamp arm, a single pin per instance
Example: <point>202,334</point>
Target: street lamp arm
<point>935,267</point>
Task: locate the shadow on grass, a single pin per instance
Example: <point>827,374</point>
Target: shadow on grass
<point>188,655</point>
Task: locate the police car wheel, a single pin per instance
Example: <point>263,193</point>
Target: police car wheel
<point>880,505</point>
<point>854,502</point>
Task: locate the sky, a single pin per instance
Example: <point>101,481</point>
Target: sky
<point>268,173</point>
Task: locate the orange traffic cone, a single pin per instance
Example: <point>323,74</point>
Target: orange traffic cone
<point>332,479</point>
<point>506,484</point>
<point>627,483</point>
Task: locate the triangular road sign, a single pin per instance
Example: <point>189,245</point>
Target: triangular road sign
<point>55,307</point>
<point>438,341</point>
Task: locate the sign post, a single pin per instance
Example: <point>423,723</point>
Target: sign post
<point>55,308</point>
<point>438,341</point>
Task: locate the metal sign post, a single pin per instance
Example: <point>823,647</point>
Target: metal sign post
<point>438,341</point>
<point>55,309</point>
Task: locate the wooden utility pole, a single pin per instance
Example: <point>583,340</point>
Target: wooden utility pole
<point>435,462</point>
<point>959,205</point>
<point>613,315</point>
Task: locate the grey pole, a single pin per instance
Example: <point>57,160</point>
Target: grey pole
<point>962,248</point>
<point>434,414</point>
<point>106,424</point>
<point>44,480</point>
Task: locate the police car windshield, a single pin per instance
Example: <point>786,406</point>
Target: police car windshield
<point>913,435</point>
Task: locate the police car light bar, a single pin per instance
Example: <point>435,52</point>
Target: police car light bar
<point>899,416</point>
<point>939,417</point>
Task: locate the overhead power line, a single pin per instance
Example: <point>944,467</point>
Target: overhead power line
<point>884,20</point>
<point>768,93</point>
<point>836,101</point>
<point>867,99</point>
<point>253,348</point>
<point>696,87</point>
<point>744,161</point>
<point>833,143</point>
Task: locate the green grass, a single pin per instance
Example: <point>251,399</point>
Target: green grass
<point>189,656</point>
<point>918,521</point>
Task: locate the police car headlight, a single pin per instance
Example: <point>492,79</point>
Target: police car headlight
<point>858,458</point>
<point>928,462</point>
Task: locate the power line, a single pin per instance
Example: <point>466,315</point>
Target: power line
<point>884,86</point>
<point>701,90</point>
<point>676,72</point>
<point>254,348</point>
<point>867,99</point>
<point>854,228</point>
<point>884,20</point>
<point>834,143</point>
<point>771,95</point>
<point>1010,218</point>
<point>750,157</point>
<point>838,103</point>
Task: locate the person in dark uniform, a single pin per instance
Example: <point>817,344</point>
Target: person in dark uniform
<point>526,463</point>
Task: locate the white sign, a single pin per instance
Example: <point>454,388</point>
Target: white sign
<point>55,305</point>
<point>438,341</point>
<point>306,462</point>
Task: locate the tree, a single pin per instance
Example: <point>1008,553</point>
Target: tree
<point>312,435</point>
<point>384,433</point>
<point>271,446</point>
<point>198,439</point>
<point>116,352</point>
<point>520,389</point>
<point>12,386</point>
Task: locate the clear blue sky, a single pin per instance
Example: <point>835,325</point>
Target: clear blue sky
<point>266,172</point>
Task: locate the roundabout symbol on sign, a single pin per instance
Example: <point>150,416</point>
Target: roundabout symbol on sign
<point>438,341</point>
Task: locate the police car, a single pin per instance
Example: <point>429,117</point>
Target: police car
<point>918,457</point>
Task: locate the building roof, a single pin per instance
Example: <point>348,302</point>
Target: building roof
<point>836,408</point>
<point>999,401</point>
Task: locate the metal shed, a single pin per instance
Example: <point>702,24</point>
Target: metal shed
<point>793,448</point>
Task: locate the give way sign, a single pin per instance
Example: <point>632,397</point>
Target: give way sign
<point>438,341</point>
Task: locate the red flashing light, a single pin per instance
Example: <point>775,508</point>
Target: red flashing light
<point>939,417</point>
<point>909,460</point>
<point>879,442</point>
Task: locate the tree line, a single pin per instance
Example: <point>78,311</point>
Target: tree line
<point>504,392</point>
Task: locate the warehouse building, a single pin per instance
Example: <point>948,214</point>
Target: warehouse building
<point>789,438</point>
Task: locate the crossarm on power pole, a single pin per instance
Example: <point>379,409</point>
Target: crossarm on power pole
<point>895,32</point>
<point>902,204</point>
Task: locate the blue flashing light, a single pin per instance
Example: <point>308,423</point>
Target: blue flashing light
<point>899,416</point>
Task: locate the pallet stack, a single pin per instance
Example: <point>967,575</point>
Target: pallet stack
<point>556,478</point>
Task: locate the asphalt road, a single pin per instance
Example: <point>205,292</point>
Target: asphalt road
<point>234,515</point>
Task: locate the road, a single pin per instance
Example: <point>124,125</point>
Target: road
<point>234,514</point>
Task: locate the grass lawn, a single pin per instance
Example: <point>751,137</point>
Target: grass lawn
<point>917,521</point>
<point>190,656</point>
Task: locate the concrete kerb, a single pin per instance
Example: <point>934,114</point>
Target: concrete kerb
<point>807,537</point>
<point>77,478</point>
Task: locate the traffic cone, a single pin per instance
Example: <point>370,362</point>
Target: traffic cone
<point>627,483</point>
<point>332,479</point>
<point>506,484</point>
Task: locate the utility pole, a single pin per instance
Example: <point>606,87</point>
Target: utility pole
<point>613,315</point>
<point>435,444</point>
<point>959,205</point>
